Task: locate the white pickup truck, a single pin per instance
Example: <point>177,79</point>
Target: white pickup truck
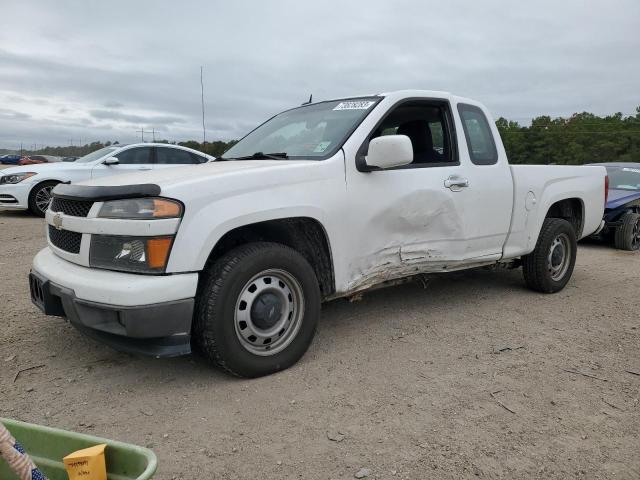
<point>321,201</point>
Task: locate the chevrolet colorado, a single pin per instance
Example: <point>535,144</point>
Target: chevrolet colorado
<point>321,201</point>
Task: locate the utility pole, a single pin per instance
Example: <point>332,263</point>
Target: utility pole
<point>204,132</point>
<point>141,132</point>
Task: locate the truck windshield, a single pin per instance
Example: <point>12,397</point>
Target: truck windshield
<point>312,131</point>
<point>625,178</point>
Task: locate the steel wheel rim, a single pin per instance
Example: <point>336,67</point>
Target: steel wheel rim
<point>559,257</point>
<point>269,336</point>
<point>43,198</point>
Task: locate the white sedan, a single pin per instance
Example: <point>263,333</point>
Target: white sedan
<point>29,187</point>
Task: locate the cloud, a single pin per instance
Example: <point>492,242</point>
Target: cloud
<point>8,114</point>
<point>130,118</point>
<point>93,70</point>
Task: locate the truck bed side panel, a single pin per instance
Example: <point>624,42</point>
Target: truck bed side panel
<point>538,187</point>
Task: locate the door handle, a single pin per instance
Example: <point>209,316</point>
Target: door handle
<point>145,168</point>
<point>455,183</point>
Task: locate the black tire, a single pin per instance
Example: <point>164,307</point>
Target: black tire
<point>35,197</point>
<point>627,236</point>
<point>549,267</point>
<point>216,329</point>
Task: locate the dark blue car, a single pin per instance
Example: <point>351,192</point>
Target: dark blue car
<point>9,159</point>
<point>622,210</point>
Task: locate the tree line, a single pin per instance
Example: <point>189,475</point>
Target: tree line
<point>575,140</point>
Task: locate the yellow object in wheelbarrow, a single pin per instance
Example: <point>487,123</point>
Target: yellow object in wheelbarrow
<point>48,446</point>
<point>87,464</point>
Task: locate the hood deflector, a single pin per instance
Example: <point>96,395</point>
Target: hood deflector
<point>103,193</point>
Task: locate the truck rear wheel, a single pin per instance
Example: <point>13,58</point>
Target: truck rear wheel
<point>627,236</point>
<point>257,309</point>
<point>549,267</point>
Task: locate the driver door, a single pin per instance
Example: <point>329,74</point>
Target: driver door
<point>409,219</point>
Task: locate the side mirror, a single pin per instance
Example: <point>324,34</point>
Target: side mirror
<point>111,161</point>
<point>390,151</point>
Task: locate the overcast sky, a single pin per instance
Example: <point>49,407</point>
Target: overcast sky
<point>100,70</point>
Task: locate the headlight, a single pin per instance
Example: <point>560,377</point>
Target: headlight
<point>141,209</point>
<point>16,177</point>
<point>130,254</point>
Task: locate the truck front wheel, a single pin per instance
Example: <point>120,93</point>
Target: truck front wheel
<point>549,267</point>
<point>257,309</point>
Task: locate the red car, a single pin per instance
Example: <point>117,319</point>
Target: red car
<point>33,159</point>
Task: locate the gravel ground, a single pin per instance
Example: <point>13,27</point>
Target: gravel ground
<point>471,376</point>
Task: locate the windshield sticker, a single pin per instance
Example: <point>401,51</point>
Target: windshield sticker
<point>354,105</point>
<point>322,146</point>
<point>634,170</point>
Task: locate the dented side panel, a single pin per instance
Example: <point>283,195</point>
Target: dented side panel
<point>408,223</point>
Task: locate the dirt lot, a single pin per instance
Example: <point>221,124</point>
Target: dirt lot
<point>472,376</point>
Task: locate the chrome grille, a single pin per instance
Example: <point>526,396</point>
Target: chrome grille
<point>71,207</point>
<point>65,240</point>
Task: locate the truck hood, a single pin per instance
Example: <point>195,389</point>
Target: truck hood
<point>618,197</point>
<point>171,178</point>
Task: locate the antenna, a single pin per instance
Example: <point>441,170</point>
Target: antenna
<point>309,101</point>
<point>204,131</point>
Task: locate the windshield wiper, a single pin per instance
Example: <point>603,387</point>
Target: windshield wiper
<point>261,155</point>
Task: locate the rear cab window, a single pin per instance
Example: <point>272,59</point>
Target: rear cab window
<point>477,132</point>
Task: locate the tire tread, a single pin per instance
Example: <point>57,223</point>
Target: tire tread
<point>208,295</point>
<point>32,197</point>
<point>534,265</point>
<point>622,238</point>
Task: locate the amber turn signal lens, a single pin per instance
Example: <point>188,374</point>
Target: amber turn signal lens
<point>166,208</point>
<point>158,252</point>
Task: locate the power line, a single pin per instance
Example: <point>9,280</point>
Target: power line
<point>569,125</point>
<point>627,114</point>
<point>585,132</point>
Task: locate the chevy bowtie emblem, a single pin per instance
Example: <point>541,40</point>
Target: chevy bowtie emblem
<point>57,221</point>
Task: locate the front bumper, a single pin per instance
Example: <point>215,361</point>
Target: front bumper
<point>159,329</point>
<point>15,196</point>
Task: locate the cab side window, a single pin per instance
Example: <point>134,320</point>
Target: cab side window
<point>426,125</point>
<point>134,156</point>
<point>175,156</point>
<point>482,148</point>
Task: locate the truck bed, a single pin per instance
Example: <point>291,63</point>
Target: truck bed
<point>537,187</point>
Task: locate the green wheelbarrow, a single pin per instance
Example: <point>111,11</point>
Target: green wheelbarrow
<point>47,446</point>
